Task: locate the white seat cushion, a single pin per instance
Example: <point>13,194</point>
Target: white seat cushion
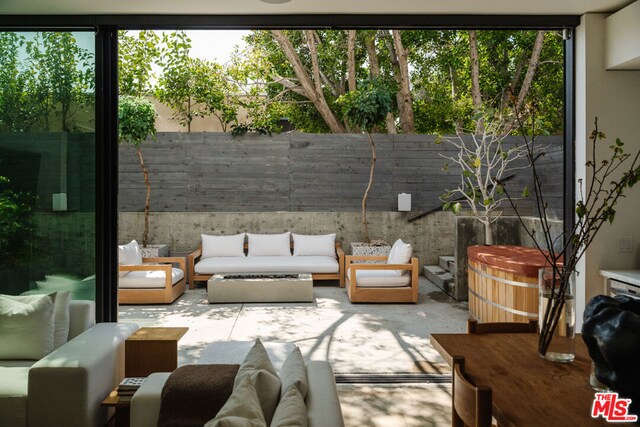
<point>268,264</point>
<point>13,396</point>
<point>380,278</point>
<point>149,279</point>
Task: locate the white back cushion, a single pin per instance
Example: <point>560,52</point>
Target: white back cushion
<point>61,318</point>
<point>26,326</point>
<point>400,253</point>
<point>270,244</point>
<point>222,246</point>
<point>130,254</point>
<point>321,245</point>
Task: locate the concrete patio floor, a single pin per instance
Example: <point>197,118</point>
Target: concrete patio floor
<point>355,338</point>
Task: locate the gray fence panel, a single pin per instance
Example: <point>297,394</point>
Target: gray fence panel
<point>195,172</point>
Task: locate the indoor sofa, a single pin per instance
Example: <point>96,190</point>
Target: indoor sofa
<point>321,400</point>
<point>319,255</point>
<point>65,387</point>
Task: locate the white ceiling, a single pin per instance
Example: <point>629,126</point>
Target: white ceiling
<point>255,7</point>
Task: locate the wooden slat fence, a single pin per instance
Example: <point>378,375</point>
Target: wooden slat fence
<point>216,172</point>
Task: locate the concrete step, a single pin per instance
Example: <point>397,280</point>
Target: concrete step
<point>447,262</point>
<point>439,276</point>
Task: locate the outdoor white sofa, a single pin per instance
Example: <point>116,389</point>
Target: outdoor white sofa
<point>320,256</point>
<point>65,387</point>
<point>149,280</point>
<point>392,281</point>
<point>322,402</point>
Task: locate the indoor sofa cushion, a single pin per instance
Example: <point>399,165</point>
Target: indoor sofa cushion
<point>320,245</point>
<point>294,373</point>
<point>269,244</point>
<point>149,279</point>
<point>222,246</point>
<point>242,409</point>
<point>271,264</point>
<point>61,318</point>
<point>13,396</point>
<point>27,326</point>
<point>380,278</point>
<point>291,410</point>
<point>258,368</point>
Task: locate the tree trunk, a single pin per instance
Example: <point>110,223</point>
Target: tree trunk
<point>374,71</point>
<point>311,93</point>
<point>476,96</point>
<point>531,70</point>
<point>145,232</point>
<point>405,104</point>
<point>488,233</point>
<point>365,224</point>
<point>351,59</point>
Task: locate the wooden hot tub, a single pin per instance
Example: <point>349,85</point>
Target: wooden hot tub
<point>503,282</point>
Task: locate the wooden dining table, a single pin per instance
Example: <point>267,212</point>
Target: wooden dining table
<point>528,390</point>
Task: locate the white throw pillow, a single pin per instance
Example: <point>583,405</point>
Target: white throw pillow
<point>270,244</point>
<point>222,246</point>
<point>242,409</point>
<point>61,318</point>
<point>320,245</point>
<point>26,326</point>
<point>130,254</point>
<point>400,253</point>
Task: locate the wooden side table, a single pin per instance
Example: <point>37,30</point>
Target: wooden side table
<point>122,405</point>
<point>152,350</point>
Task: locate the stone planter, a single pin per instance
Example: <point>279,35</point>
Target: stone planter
<point>366,249</point>
<point>155,251</point>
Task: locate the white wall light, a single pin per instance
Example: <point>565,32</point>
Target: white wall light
<point>404,202</point>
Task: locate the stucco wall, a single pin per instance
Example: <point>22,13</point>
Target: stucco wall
<point>614,97</point>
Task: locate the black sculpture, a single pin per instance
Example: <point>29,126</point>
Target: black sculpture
<point>611,331</point>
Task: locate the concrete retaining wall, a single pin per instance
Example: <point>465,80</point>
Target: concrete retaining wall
<point>430,236</point>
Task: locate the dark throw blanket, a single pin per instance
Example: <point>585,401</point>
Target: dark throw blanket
<point>194,394</point>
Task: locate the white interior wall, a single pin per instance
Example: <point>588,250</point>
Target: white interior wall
<point>614,97</point>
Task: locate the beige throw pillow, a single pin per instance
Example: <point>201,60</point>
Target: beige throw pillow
<point>242,409</point>
<point>291,411</point>
<point>294,372</point>
<point>258,368</point>
<point>61,318</point>
<point>26,326</point>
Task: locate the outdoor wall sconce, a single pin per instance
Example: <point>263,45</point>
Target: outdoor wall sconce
<point>404,202</point>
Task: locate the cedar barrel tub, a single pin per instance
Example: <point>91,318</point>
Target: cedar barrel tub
<point>503,282</point>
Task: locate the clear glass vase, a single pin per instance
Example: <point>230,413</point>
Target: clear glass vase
<point>556,314</point>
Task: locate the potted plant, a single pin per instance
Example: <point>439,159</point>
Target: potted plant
<point>366,109</point>
<point>17,238</point>
<point>599,194</point>
<point>136,123</point>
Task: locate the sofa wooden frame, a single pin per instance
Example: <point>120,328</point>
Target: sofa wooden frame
<point>381,294</point>
<point>165,295</point>
<point>197,254</point>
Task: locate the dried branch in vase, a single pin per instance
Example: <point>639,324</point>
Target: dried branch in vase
<point>607,179</point>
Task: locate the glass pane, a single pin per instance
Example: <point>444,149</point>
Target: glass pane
<point>47,163</point>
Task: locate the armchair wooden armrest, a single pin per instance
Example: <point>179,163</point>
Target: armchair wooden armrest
<point>148,267</point>
<point>340,255</point>
<point>169,260</point>
<point>407,267</point>
<point>193,257</point>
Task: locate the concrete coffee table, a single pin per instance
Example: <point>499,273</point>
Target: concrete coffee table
<point>260,287</point>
